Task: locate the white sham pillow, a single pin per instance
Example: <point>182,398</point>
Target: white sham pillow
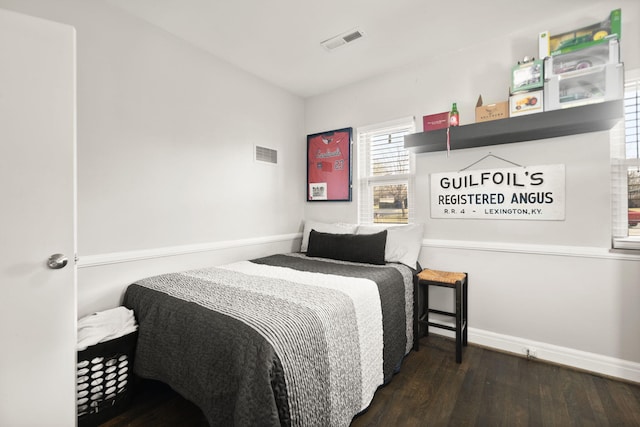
<point>403,242</point>
<point>323,227</point>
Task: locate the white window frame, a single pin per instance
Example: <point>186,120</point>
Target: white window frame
<point>366,181</point>
<point>619,189</point>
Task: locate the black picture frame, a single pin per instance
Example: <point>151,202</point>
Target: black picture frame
<point>329,166</point>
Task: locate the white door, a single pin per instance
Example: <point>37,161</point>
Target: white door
<point>37,219</point>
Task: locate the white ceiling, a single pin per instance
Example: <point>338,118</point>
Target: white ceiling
<point>279,40</point>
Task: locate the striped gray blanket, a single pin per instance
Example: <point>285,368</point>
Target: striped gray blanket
<point>282,340</point>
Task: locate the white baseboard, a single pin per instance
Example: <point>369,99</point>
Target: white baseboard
<point>596,363</point>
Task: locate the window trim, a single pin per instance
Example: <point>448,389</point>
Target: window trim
<point>619,167</point>
<point>366,181</point>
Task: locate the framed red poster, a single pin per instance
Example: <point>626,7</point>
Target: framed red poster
<point>329,165</point>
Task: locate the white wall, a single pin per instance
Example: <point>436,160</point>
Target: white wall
<point>552,285</point>
<point>166,134</point>
<point>167,181</point>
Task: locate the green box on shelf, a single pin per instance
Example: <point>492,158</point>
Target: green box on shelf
<point>590,35</point>
<point>527,76</point>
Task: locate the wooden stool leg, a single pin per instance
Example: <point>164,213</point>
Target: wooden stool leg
<point>425,308</point>
<point>416,314</point>
<point>464,310</point>
<point>458,322</point>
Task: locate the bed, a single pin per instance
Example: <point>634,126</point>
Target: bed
<point>289,339</point>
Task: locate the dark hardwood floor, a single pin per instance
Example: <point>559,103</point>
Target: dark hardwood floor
<point>488,389</point>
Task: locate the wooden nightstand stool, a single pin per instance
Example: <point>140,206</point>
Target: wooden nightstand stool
<point>457,282</point>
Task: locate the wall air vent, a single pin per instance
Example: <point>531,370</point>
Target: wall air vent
<point>342,39</point>
<point>267,155</point>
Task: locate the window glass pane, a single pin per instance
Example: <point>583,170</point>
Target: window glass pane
<point>386,181</point>
<point>632,149</point>
<point>633,184</point>
<point>632,118</point>
<point>390,204</point>
<point>388,156</point>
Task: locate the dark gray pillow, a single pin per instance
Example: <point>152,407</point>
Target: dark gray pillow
<point>365,248</point>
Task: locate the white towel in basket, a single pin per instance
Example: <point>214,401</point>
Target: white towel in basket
<point>105,325</point>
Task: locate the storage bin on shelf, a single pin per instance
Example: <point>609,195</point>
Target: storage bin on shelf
<point>586,76</point>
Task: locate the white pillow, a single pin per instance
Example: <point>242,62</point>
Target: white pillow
<point>403,242</point>
<point>323,227</point>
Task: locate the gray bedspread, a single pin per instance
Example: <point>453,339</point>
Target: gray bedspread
<point>281,340</point>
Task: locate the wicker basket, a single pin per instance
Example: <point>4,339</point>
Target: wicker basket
<point>105,379</point>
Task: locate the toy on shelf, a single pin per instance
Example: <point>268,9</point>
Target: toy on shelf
<point>527,75</point>
<point>584,37</point>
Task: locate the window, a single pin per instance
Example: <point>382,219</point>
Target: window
<point>625,157</point>
<point>385,171</point>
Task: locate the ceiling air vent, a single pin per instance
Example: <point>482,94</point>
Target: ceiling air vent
<point>267,155</point>
<point>342,39</point>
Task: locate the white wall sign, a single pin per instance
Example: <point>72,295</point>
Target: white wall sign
<point>530,193</point>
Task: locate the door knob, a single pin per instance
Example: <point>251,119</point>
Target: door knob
<point>57,261</point>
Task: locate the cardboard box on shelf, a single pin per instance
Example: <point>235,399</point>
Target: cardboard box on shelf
<point>435,121</point>
<point>526,103</point>
<point>485,113</point>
